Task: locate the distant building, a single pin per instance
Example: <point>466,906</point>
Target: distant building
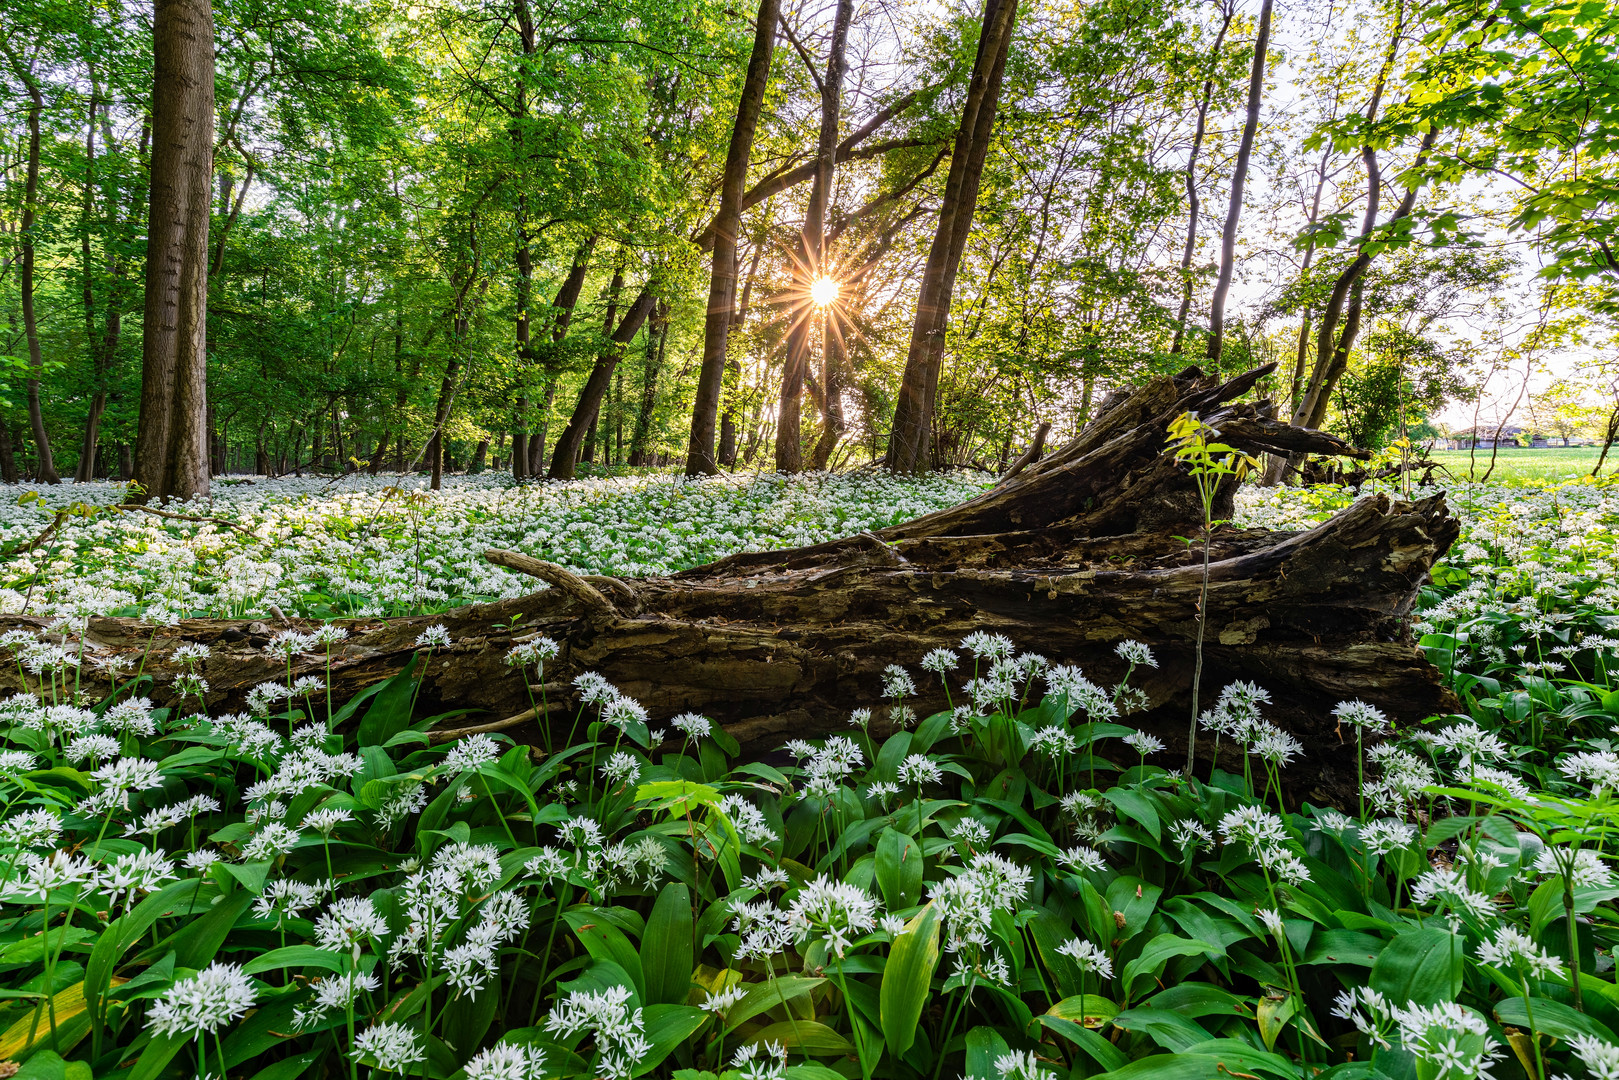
<point>1489,436</point>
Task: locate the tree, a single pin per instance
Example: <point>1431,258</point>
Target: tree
<point>727,222</point>
<point>1239,180</point>
<point>812,264</point>
<point>910,436</point>
<point>171,453</point>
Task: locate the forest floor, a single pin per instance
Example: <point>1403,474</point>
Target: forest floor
<point>375,546</point>
<point>1026,887</point>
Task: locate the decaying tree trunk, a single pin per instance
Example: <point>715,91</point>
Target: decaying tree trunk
<point>1078,552</point>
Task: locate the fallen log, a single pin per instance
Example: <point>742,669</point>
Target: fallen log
<point>1094,544</point>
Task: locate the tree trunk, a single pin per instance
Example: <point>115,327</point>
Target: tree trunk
<point>657,337</point>
<point>45,466</point>
<point>595,389</point>
<point>171,459</point>
<point>910,438</point>
<point>812,262</point>
<point>1239,180</point>
<point>8,459</point>
<point>1074,555</point>
<point>832,386</point>
<point>1228,12</point>
<point>722,281</point>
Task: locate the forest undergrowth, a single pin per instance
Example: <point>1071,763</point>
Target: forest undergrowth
<point>1016,888</point>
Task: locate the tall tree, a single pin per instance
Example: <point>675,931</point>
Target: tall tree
<point>171,453</point>
<point>727,222</point>
<point>45,468</point>
<point>1239,181</point>
<point>910,438</point>
<point>811,264</point>
<point>1228,12</point>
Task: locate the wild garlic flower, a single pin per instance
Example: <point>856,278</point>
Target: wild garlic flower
<point>1601,1058</point>
<point>471,753</point>
<point>288,899</point>
<point>897,682</point>
<point>748,820</point>
<point>436,636</point>
<point>754,1065</point>
<point>203,1003</point>
<point>940,661</point>
<point>968,901</point>
<point>44,874</point>
<point>1079,693</point>
<point>768,877</point>
<point>723,1000</point>
<point>31,828</point>
<point>1385,835</point>
<point>1364,718</point>
<point>328,634</point>
<point>390,1047</point>
<point>1438,1035</point>
<point>693,725</point>
<point>1136,654</point>
<point>620,1034</point>
<point>970,831</point>
<point>1088,957</point>
<point>118,779</point>
<point>349,923</point>
<point>190,654</point>
<point>1018,1065</point>
<point>1190,834</point>
<point>272,841</point>
<point>882,791</point>
<point>1513,950</point>
<point>1080,858</point>
<point>1449,887</point>
<point>132,716</point>
<point>919,769</point>
<point>200,860</point>
<point>837,911</point>
<point>340,991</point>
<point>507,1062</point>
<point>1588,870</point>
<point>326,820</point>
<point>1143,743</point>
<point>1053,741</point>
<point>860,718</point>
<point>1599,768</point>
<point>1368,1010</point>
<point>987,646</point>
<point>287,644</point>
<point>621,768</point>
<point>1271,919</point>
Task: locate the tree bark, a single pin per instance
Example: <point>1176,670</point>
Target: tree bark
<point>595,388</point>
<point>1072,556</point>
<point>656,339</point>
<point>910,438</point>
<point>812,261</point>
<point>1239,181</point>
<point>171,458</point>
<point>45,465</point>
<point>727,222</point>
<point>1228,12</point>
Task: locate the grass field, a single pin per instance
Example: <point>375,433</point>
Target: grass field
<point>1547,463</point>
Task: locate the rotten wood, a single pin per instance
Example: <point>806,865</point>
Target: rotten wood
<point>1094,544</point>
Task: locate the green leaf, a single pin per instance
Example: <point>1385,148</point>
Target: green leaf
<point>289,1068</point>
<point>899,870</point>
<point>294,956</point>
<point>121,934</point>
<point>602,939</point>
<point>666,947</point>
<point>908,979</point>
<point>809,1037</point>
<point>198,941</point>
<point>389,713</point>
<point>1422,965</point>
<point>667,1026</point>
<point>1169,1030</point>
<point>1551,1018</point>
<point>767,995</point>
<point>984,1046</point>
<point>1160,951</point>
